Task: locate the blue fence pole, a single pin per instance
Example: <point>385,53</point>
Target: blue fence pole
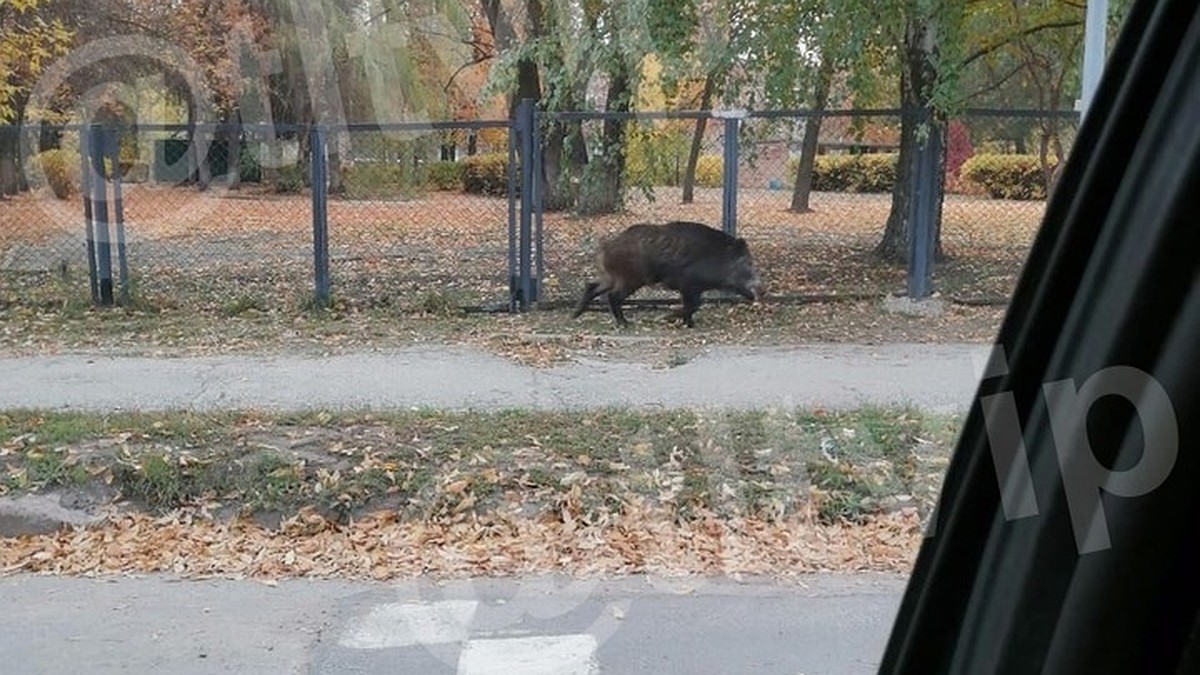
<point>320,216</point>
<point>514,278</point>
<point>99,186</point>
<point>525,132</point>
<point>923,210</point>
<point>730,171</point>
<point>113,151</point>
<point>536,204</point>
<point>85,177</point>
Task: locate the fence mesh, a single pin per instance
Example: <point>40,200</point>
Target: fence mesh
<point>403,231</point>
<point>420,218</point>
<point>823,241</point>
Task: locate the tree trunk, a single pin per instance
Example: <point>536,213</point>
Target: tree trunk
<point>812,134</point>
<point>917,77</point>
<point>563,160</point>
<point>1044,157</point>
<point>203,166</point>
<point>233,152</point>
<point>304,158</point>
<point>196,160</point>
<point>201,142</point>
<point>689,173</point>
<point>333,163</point>
<point>9,162</point>
<point>602,194</point>
<point>563,155</point>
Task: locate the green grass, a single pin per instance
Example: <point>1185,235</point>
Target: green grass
<point>428,464</point>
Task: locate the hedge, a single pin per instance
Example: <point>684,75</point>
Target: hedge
<point>444,175</point>
<point>1002,176</point>
<point>486,174</point>
<point>874,172</point>
<point>61,171</point>
<point>1007,176</point>
<point>380,180</point>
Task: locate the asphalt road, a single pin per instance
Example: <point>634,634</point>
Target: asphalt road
<point>937,377</point>
<point>831,625</point>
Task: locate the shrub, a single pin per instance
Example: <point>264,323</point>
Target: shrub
<point>367,180</point>
<point>129,157</point>
<point>61,171</point>
<point>446,175</point>
<point>709,171</point>
<point>1007,176</point>
<point>851,173</point>
<point>249,168</point>
<point>655,157</point>
<point>290,179</point>
<point>486,174</point>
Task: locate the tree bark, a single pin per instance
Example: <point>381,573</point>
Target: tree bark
<point>9,154</point>
<point>812,133</point>
<point>689,173</point>
<point>917,77</point>
<point>233,152</point>
<point>603,193</point>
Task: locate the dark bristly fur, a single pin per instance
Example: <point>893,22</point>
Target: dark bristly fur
<point>687,257</point>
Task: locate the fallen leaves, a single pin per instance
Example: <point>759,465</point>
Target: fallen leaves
<point>642,539</point>
<point>401,268</point>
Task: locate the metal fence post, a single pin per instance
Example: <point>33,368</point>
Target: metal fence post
<point>729,176</point>
<point>320,215</point>
<point>99,195</point>
<point>514,282</point>
<point>113,151</point>
<point>525,132</point>
<point>922,210</point>
<point>536,192</point>
<point>86,180</point>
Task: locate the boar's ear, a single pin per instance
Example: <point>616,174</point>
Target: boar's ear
<point>740,244</point>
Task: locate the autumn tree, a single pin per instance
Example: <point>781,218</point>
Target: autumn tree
<point>550,52</point>
<point>944,39</point>
<point>28,43</point>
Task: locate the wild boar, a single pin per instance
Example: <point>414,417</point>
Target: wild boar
<point>682,256</point>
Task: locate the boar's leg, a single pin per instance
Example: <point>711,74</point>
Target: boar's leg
<point>615,298</point>
<point>691,303</point>
<point>590,292</point>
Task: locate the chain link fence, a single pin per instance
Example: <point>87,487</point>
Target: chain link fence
<point>235,233</point>
<point>415,223</point>
<point>820,238</point>
<point>425,217</point>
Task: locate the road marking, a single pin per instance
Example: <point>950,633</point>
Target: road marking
<point>542,655</point>
<point>404,624</point>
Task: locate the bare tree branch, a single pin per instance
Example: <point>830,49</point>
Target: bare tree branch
<point>984,51</point>
<point>997,83</point>
<point>460,69</point>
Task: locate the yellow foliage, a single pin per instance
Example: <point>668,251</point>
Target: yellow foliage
<point>650,95</point>
<point>709,170</point>
<point>28,43</point>
<point>61,173</point>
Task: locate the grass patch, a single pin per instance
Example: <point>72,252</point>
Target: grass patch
<point>251,323</point>
<point>432,465</point>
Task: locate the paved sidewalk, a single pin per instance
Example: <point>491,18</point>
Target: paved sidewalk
<point>935,377</point>
<point>832,625</point>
